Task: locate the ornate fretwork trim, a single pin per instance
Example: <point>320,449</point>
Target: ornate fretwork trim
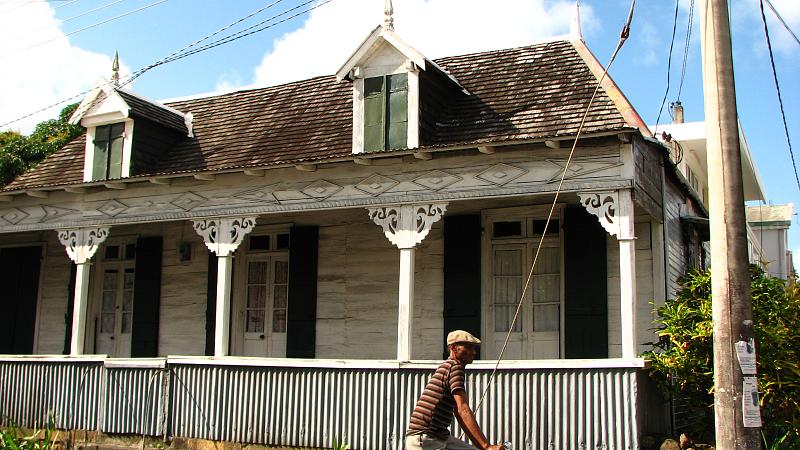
<point>82,243</point>
<point>223,235</point>
<point>407,225</point>
<point>605,206</point>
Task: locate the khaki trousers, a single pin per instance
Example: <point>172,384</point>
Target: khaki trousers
<point>427,442</point>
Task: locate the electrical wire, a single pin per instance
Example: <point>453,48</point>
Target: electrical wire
<point>778,90</point>
<point>780,18</point>
<point>669,63</point>
<point>686,48</point>
<point>61,22</point>
<point>68,2</point>
<point>86,28</point>
<point>180,54</point>
<point>623,37</point>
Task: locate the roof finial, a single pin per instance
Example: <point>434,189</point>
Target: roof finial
<point>115,70</point>
<point>388,11</point>
<point>575,24</point>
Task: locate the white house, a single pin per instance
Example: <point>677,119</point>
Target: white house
<point>281,265</point>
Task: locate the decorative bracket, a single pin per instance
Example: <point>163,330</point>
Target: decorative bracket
<point>605,206</point>
<point>223,235</point>
<point>407,225</point>
<point>82,243</point>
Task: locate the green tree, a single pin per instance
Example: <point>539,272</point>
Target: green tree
<point>681,362</point>
<point>19,153</point>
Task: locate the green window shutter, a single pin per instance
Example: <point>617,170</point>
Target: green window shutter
<point>397,125</point>
<point>117,140</point>
<point>100,158</point>
<point>115,158</point>
<point>374,114</point>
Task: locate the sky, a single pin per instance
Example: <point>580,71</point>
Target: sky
<point>51,51</point>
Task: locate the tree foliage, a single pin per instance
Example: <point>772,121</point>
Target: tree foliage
<point>19,153</point>
<point>682,361</point>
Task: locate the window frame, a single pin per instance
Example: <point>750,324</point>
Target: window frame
<point>412,109</point>
<point>89,151</point>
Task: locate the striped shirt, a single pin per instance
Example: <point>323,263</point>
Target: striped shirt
<point>434,410</point>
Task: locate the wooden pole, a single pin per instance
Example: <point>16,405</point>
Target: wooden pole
<point>730,282</point>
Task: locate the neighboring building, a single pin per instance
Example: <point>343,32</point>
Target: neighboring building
<point>303,322</point>
<point>769,231</point>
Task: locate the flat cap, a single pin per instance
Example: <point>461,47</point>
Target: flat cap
<point>461,336</point>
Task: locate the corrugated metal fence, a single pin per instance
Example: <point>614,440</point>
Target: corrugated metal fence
<point>366,404</point>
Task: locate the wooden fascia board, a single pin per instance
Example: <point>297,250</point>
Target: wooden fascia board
<point>613,91</point>
<point>366,47</point>
<point>360,159</point>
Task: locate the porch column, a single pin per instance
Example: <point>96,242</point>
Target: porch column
<point>222,236</point>
<point>406,226</point>
<point>81,245</point>
<point>615,212</point>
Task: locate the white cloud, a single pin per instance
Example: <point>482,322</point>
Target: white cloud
<point>434,27</point>
<point>27,78</point>
<point>228,81</point>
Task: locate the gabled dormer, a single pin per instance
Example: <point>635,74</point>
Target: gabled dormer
<point>397,92</point>
<point>125,133</point>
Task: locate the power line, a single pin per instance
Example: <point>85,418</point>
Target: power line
<point>180,54</point>
<point>785,25</point>
<point>686,48</point>
<point>86,28</point>
<point>22,5</point>
<point>778,89</point>
<point>61,22</point>
<point>669,63</point>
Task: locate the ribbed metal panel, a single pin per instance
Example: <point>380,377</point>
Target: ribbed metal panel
<point>134,401</point>
<point>31,391</point>
<point>369,409</point>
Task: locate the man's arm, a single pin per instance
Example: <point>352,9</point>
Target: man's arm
<point>468,423</point>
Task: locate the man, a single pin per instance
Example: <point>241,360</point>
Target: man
<point>445,395</point>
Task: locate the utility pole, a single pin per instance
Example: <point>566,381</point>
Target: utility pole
<point>732,300</point>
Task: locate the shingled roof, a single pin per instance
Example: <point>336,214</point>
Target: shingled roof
<point>533,92</point>
<point>141,107</point>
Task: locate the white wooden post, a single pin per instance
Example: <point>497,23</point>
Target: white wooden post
<point>406,226</point>
<point>222,236</point>
<point>81,245</point>
<point>615,212</point>
<point>627,273</point>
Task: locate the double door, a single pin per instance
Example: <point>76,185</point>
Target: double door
<point>115,319</point>
<point>264,306</point>
<point>536,332</point>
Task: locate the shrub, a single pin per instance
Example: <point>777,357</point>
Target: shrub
<point>682,359</point>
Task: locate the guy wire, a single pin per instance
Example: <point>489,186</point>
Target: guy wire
<point>623,37</point>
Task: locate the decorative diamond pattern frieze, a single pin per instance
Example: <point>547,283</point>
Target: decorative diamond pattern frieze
<point>501,174</point>
<point>376,184</point>
<point>188,201</point>
<point>14,216</point>
<point>321,189</point>
<point>112,208</point>
<point>436,180</point>
<point>261,194</point>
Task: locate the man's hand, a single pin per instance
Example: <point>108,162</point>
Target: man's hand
<point>467,421</point>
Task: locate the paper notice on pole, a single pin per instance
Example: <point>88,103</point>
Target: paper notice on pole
<point>751,411</point>
<point>746,352</point>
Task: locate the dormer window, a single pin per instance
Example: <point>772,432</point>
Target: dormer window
<point>386,112</point>
<point>108,149</point>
